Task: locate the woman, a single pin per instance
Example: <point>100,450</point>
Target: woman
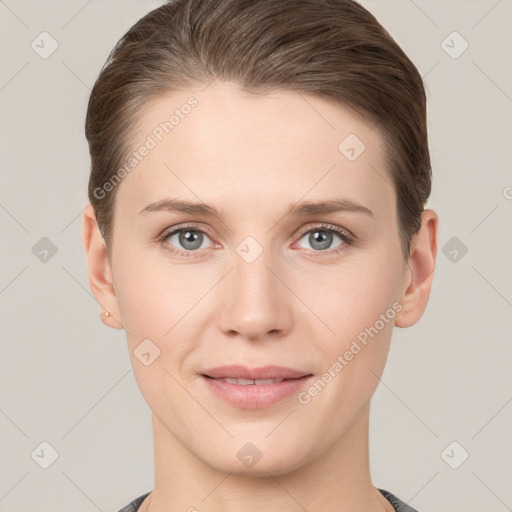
<point>257,227</point>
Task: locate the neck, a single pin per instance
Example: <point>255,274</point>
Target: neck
<point>337,480</point>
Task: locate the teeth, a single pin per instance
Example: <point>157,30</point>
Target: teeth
<point>258,382</point>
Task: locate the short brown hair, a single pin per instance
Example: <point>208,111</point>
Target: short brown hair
<point>333,49</point>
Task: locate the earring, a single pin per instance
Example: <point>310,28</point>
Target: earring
<point>107,313</point>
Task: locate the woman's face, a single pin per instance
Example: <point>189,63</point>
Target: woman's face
<point>263,282</point>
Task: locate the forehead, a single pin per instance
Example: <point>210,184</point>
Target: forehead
<point>220,143</point>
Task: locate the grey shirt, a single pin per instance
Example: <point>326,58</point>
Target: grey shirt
<point>398,505</point>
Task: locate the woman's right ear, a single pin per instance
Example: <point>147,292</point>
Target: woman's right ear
<point>99,270</point>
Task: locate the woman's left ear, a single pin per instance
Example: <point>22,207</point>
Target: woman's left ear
<point>421,263</point>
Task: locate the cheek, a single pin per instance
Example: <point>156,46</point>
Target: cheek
<point>351,297</point>
<point>163,304</point>
<point>153,299</point>
<point>140,302</point>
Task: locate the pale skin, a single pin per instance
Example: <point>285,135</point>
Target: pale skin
<point>251,157</point>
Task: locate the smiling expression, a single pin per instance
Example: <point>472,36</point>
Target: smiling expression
<point>246,236</point>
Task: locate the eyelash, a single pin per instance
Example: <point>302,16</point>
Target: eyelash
<point>348,239</point>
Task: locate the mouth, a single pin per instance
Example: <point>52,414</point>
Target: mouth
<point>246,382</point>
<point>241,373</point>
<point>254,388</point>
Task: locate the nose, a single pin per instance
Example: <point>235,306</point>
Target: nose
<point>257,304</point>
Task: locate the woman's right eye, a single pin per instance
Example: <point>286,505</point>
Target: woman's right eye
<point>185,240</point>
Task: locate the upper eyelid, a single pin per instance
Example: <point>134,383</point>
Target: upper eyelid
<point>175,229</point>
<point>325,226</point>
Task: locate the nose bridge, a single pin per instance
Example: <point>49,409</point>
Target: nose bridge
<point>252,276</point>
<point>256,305</point>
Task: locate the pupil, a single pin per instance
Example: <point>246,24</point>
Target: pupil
<point>323,238</point>
<point>190,237</point>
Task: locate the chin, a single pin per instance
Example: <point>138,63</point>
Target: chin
<point>249,460</point>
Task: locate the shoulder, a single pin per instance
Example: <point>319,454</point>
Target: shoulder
<point>135,504</point>
<point>398,504</point>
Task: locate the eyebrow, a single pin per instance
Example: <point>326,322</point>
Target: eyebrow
<point>302,208</point>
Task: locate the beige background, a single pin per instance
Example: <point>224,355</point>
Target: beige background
<point>66,379</point>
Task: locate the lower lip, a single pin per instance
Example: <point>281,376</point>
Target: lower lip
<point>254,396</point>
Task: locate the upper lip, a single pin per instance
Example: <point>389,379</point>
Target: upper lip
<point>263,372</point>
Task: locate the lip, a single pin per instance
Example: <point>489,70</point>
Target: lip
<point>255,396</point>
<point>264,372</point>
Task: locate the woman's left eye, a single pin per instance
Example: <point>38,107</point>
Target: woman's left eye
<point>321,238</point>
